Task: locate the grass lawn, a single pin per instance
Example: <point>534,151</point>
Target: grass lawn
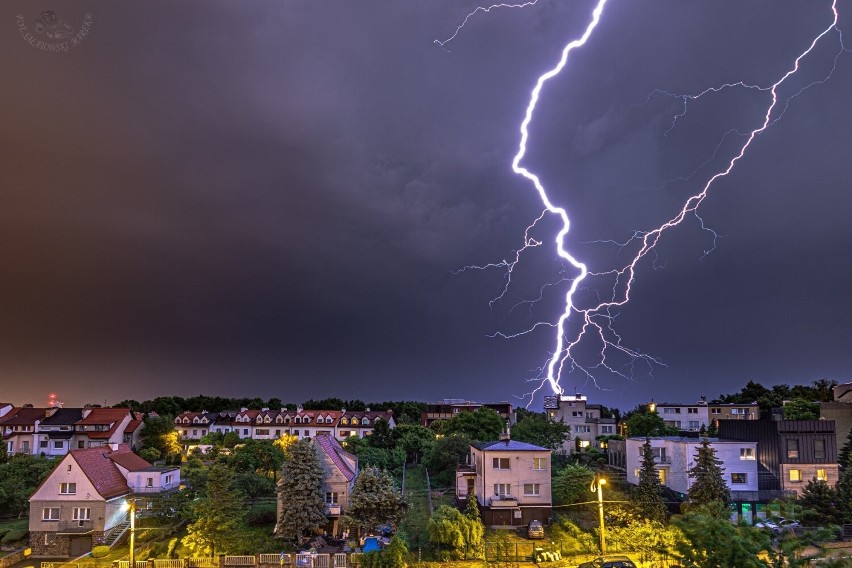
<point>417,517</point>
<point>13,532</point>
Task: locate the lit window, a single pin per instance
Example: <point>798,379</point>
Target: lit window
<point>584,443</point>
<point>532,488</point>
<point>67,488</point>
<point>344,421</point>
<point>365,421</point>
<point>746,453</point>
<point>821,475</point>
<point>796,475</point>
<point>539,463</point>
<point>739,478</point>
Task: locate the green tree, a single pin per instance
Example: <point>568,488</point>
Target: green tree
<point>443,458</point>
<point>375,501</point>
<point>819,502</point>
<point>647,496</point>
<point>539,429</point>
<point>219,515</point>
<point>709,485</point>
<point>159,433</point>
<point>474,530</point>
<point>571,484</point>
<point>450,530</point>
<point>258,456</point>
<point>712,541</point>
<point>382,436</point>
<point>414,440</point>
<point>642,422</point>
<point>481,425</point>
<point>845,451</point>
<point>801,409</point>
<point>19,478</point>
<point>150,454</point>
<point>300,493</point>
<point>844,491</point>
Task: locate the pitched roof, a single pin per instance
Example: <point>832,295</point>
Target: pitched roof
<point>511,445</point>
<point>97,465</point>
<point>23,416</point>
<point>64,416</point>
<point>132,426</point>
<point>128,460</point>
<point>105,416</point>
<point>337,454</point>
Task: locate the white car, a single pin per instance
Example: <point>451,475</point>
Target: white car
<point>788,524</point>
<point>767,524</point>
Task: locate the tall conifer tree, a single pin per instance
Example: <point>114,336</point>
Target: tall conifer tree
<point>301,500</point>
<point>648,498</point>
<point>709,485</point>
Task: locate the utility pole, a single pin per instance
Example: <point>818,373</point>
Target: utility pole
<point>597,485</point>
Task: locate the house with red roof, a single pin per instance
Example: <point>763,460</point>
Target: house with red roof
<point>86,497</point>
<point>19,427</point>
<point>100,427</point>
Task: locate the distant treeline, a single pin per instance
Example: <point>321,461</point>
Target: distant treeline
<point>404,412</point>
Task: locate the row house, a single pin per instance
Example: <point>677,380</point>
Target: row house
<point>450,407</point>
<point>510,481</point>
<point>87,495</point>
<point>267,424</point>
<point>340,468</point>
<point>584,419</point>
<point>54,431</point>
<point>790,452</point>
<point>693,417</point>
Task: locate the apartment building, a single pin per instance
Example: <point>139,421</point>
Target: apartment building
<point>583,418</point>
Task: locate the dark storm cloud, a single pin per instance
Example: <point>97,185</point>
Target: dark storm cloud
<point>269,198</point>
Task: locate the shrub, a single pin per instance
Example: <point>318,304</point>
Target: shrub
<point>14,536</point>
<point>100,551</point>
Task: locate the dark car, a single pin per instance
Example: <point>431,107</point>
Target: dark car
<point>609,562</point>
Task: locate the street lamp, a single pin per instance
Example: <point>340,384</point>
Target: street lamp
<point>597,485</point>
<point>131,506</point>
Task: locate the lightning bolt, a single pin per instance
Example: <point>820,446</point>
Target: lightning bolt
<point>481,9</point>
<point>593,321</point>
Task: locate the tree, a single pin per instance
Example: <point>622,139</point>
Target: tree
<point>219,515</point>
<point>845,451</point>
<point>374,502</point>
<point>474,530</point>
<point>159,432</point>
<point>539,429</point>
<point>844,491</point>
<point>284,442</point>
<point>19,478</point>
<point>150,454</point>
<point>709,486</point>
<point>801,409</point>
<point>443,458</point>
<point>642,422</point>
<point>257,456</point>
<point>647,496</point>
<point>571,484</point>
<point>481,425</point>
<point>301,498</point>
<point>819,503</point>
<point>382,437</point>
<point>712,541</point>
<point>414,440</point>
<point>450,530</point>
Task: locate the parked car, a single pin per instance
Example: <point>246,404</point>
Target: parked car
<point>787,524</point>
<point>609,562</point>
<point>536,530</point>
<point>767,524</point>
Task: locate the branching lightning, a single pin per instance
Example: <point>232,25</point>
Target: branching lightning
<point>481,9</point>
<point>591,321</point>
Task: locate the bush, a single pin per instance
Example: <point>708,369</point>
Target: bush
<point>100,551</point>
<point>261,518</point>
<point>14,536</point>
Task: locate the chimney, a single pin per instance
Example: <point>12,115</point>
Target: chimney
<point>506,434</point>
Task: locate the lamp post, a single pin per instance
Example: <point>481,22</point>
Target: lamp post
<point>132,533</point>
<point>597,485</point>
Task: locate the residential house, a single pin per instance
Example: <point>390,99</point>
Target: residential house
<point>841,413</point>
<point>510,480</point>
<point>19,427</point>
<point>789,452</point>
<point>194,425</point>
<point>340,469</point>
<point>101,426</point>
<point>5,408</point>
<point>133,430</point>
<point>86,497</point>
<point>584,419</point>
<point>57,429</point>
<point>449,407</point>
<point>687,417</point>
<point>360,422</point>
<point>734,411</point>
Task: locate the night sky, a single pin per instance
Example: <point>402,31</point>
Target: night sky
<point>275,198</point>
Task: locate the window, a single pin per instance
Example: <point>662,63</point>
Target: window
<point>149,482</point>
<point>715,411</point>
<point>694,424</point>
<point>261,432</point>
<point>606,429</point>
<point>42,444</point>
<point>277,433</point>
<point>57,445</point>
<point>661,473</point>
<point>582,429</point>
<point>819,449</point>
<point>295,432</point>
<point>793,449</point>
<point>365,421</point>
<point>307,432</point>
<point>167,479</point>
<point>69,467</point>
<point>739,478</point>
<point>821,475</point>
<point>320,420</point>
<point>532,489</point>
<point>539,463</point>
<point>692,410</point>
<point>746,453</point>
<point>345,433</point>
<point>502,489</point>
<point>583,443</point>
<point>67,488</point>
<point>354,421</point>
<point>245,432</point>
<point>796,475</point>
<point>50,514</point>
<point>500,463</point>
<point>195,433</point>
<point>576,414</point>
<point>82,514</point>
<point>344,421</point>
<point>331,498</point>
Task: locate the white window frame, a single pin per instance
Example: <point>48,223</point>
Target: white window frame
<point>539,463</point>
<point>68,488</point>
<point>47,514</point>
<point>532,489</point>
<point>82,514</point>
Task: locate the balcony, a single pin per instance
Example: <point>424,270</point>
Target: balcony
<point>504,501</point>
<point>148,490</point>
<point>662,459</point>
<point>75,527</point>
<point>333,510</point>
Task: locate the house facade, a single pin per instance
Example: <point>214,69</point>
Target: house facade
<point>449,407</point>
<point>340,470</point>
<point>510,480</point>
<point>86,497</point>
<point>583,418</point>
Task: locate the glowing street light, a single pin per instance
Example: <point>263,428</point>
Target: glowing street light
<point>130,505</point>
<point>597,486</point>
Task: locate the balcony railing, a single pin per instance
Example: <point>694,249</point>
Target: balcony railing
<point>154,489</point>
<point>74,526</point>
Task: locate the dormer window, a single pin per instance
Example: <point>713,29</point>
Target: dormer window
<point>344,421</point>
<point>354,420</point>
<point>320,420</point>
<point>267,419</point>
<point>298,420</point>
<point>278,419</point>
<point>259,419</point>
<point>365,421</point>
<point>306,419</point>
